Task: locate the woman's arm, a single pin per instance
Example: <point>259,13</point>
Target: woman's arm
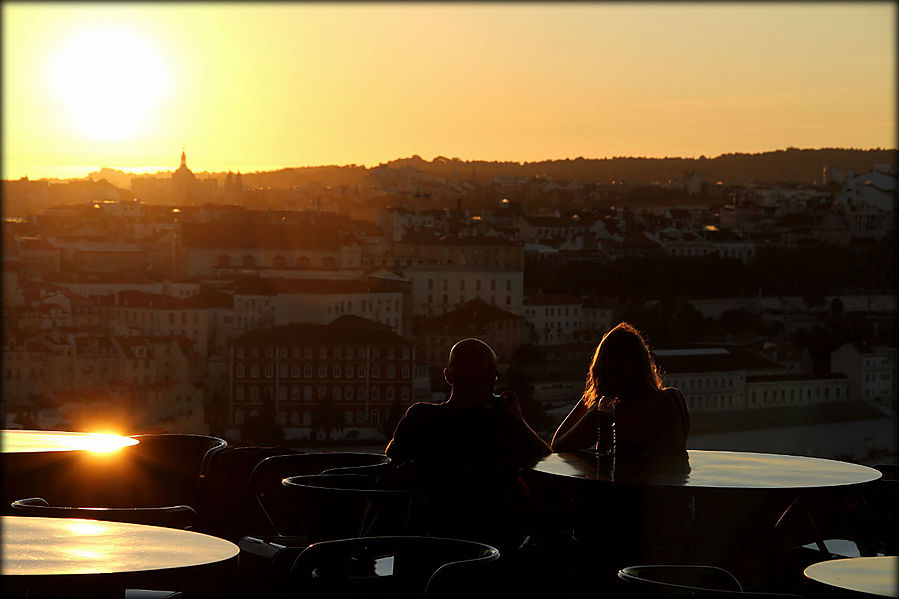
<point>578,430</point>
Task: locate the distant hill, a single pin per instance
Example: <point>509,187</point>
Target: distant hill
<point>790,165</point>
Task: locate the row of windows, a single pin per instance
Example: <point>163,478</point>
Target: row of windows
<point>304,418</point>
<point>801,394</point>
<point>249,261</point>
<point>346,371</point>
<point>335,392</point>
<point>477,284</point>
<point>554,311</point>
<point>347,352</point>
<point>462,299</point>
<point>708,383</point>
<point>711,401</point>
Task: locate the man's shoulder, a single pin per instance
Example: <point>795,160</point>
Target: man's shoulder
<point>422,409</point>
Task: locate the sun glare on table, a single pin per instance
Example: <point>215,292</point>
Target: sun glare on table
<point>103,442</point>
<point>108,81</point>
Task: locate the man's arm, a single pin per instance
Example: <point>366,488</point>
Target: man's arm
<point>398,449</point>
<point>530,442</point>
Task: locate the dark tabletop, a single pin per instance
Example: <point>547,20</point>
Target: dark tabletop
<point>28,441</point>
<point>709,469</point>
<point>873,575</point>
<point>69,546</point>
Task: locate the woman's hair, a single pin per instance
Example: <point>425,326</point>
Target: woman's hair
<point>622,366</point>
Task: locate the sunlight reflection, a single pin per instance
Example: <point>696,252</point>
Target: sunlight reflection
<point>24,441</point>
<point>87,528</point>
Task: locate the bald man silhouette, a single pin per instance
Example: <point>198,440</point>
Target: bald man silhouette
<point>464,454</point>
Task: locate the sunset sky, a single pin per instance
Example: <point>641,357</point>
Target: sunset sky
<point>266,86</point>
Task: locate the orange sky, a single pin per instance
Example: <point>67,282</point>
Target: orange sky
<point>264,86</point>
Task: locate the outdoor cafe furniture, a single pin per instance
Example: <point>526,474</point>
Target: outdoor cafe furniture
<point>274,501</point>
<point>738,496</point>
<point>175,516</point>
<point>855,577</point>
<point>675,580</point>
<point>55,557</point>
<point>46,463</point>
<point>337,506</point>
<point>394,567</point>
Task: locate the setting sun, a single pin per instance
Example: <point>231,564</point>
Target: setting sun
<point>109,81</point>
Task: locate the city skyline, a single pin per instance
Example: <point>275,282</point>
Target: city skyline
<point>274,86</point>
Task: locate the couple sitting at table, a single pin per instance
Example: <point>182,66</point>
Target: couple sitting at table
<point>464,454</point>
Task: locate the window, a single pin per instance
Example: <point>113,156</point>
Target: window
<point>375,371</point>
<point>375,394</point>
<point>360,371</point>
<point>390,371</point>
<point>335,371</point>
<point>269,371</point>
<point>282,393</point>
<point>335,353</point>
<point>348,393</point>
<point>307,371</point>
<point>323,353</point>
<point>391,394</point>
<point>348,371</point>
<point>322,371</point>
<point>335,393</point>
<point>307,353</point>
<point>239,393</point>
<point>241,371</point>
<point>254,393</point>
<point>349,353</point>
<point>405,371</point>
<point>282,371</point>
<point>295,371</point>
<point>295,352</point>
<point>404,392</point>
<point>322,392</point>
<point>295,393</point>
<point>374,417</point>
<point>307,393</point>
<point>254,371</point>
<point>360,392</point>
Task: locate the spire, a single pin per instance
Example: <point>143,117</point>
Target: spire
<point>183,158</point>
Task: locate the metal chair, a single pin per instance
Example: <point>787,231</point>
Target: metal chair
<point>392,566</point>
<point>170,468</point>
<point>668,580</point>
<point>334,506</point>
<point>270,495</point>
<point>175,516</point>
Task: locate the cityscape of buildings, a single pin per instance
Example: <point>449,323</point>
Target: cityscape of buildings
<point>322,311</point>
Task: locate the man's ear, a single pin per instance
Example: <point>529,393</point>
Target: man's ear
<point>448,375</point>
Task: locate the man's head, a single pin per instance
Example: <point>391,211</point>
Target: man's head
<point>472,366</point>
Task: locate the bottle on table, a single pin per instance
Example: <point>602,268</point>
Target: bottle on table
<point>606,443</point>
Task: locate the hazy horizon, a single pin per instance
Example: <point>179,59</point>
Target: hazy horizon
<point>81,172</point>
<point>269,86</point>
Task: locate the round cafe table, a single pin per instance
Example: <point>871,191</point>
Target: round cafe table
<point>704,469</point>
<point>13,441</point>
<point>51,555</point>
<point>725,507</point>
<point>865,576</point>
<point>61,466</point>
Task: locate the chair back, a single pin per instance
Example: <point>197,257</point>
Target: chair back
<point>174,516</point>
<point>271,496</point>
<point>336,506</point>
<point>387,566</point>
<point>168,469</point>
<point>679,580</point>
